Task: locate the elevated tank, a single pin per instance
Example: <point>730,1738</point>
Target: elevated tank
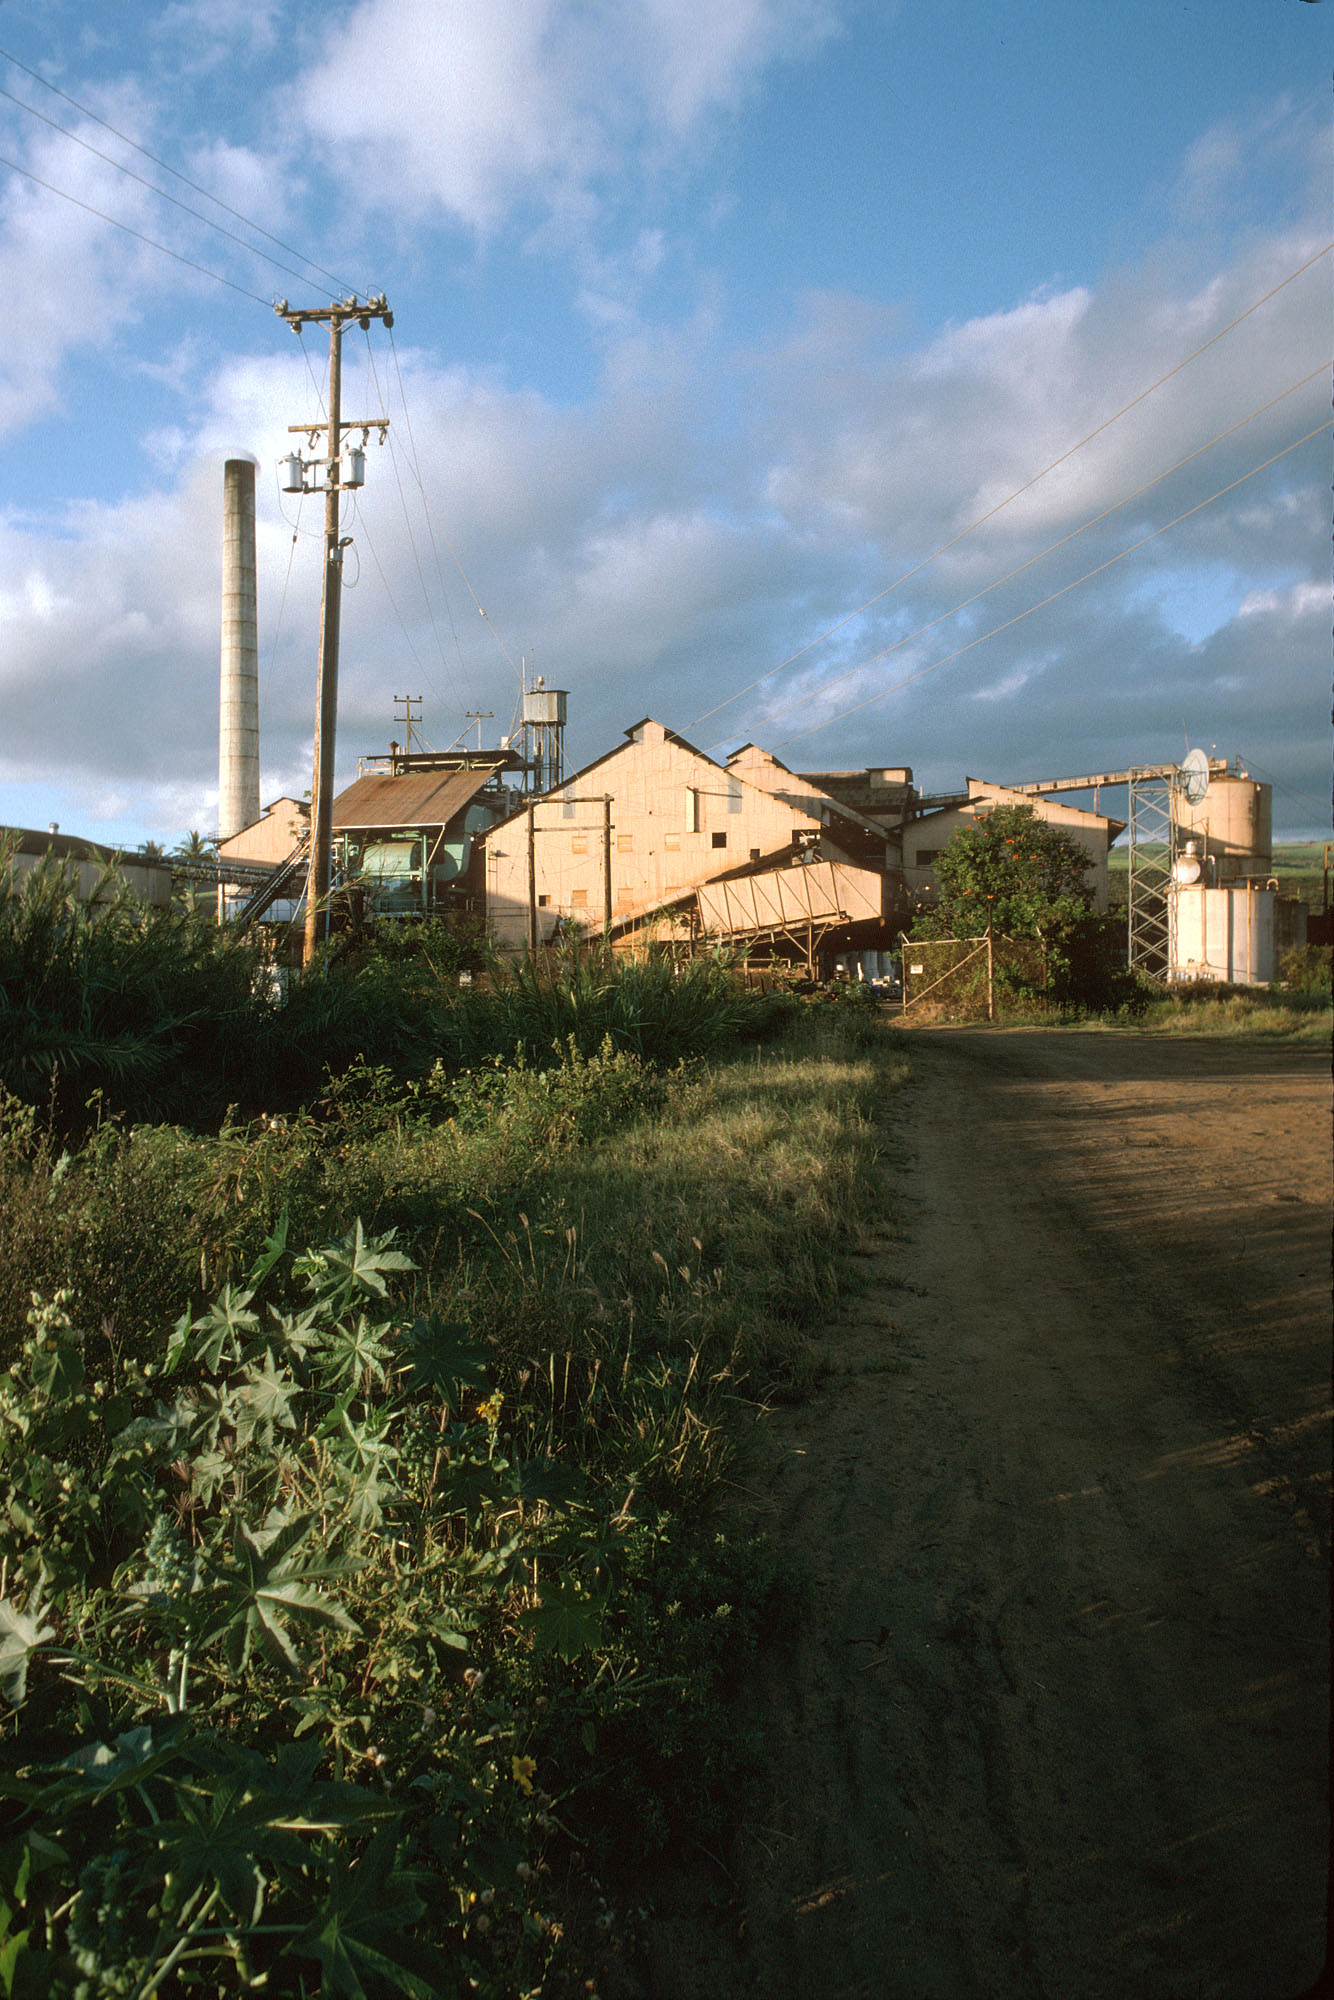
<point>1235,821</point>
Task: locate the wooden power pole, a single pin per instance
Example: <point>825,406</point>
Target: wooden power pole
<point>319,871</point>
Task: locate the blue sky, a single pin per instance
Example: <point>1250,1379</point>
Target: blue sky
<point>712,326</point>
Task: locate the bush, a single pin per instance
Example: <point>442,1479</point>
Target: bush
<point>1308,968</point>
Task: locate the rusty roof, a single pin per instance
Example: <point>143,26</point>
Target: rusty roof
<point>412,798</point>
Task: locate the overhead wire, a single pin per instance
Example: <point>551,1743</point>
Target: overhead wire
<point>162,194</point>
<point>1018,492</point>
<point>906,640</point>
<point>184,179</point>
<point>412,539</point>
<point>416,469</point>
<point>922,672</point>
<point>266,677</point>
<point>137,234</point>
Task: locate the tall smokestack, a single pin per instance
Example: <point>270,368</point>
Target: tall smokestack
<point>238,717</point>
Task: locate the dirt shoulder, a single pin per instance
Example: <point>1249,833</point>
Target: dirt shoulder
<point>1057,1723</point>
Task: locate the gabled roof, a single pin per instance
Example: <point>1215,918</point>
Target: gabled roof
<point>835,805</point>
<point>632,738</point>
<point>413,798</point>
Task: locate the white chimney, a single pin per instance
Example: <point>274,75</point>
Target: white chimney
<point>238,718</point>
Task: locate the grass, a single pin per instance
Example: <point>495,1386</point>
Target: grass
<point>1254,1013</point>
<point>611,1254</point>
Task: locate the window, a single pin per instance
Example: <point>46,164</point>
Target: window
<point>754,853</point>
<point>579,899</point>
<point>926,855</point>
<point>672,842</point>
<point>542,902</point>
<point>734,795</point>
<point>578,843</point>
<point>625,843</point>
<point>692,809</point>
<point>719,839</point>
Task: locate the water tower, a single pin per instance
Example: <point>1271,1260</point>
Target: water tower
<point>544,733</point>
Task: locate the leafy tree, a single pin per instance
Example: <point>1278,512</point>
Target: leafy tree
<point>1014,871</point>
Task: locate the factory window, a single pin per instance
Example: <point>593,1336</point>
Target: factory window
<point>719,839</point>
<point>926,855</point>
<point>692,809</point>
<point>579,899</point>
<point>542,902</point>
<point>754,853</point>
<point>579,843</point>
<point>625,843</point>
<point>734,795</point>
<point>672,842</point>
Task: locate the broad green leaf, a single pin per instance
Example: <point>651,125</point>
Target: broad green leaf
<point>442,1359</point>
<point>355,1264</point>
<point>352,1355</point>
<point>274,1248</point>
<point>362,1934</point>
<point>223,1331</point>
<point>270,1583</point>
<point>564,1622</point>
<point>21,1635</point>
<point>263,1406</point>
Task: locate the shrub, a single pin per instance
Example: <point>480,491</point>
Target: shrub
<point>1308,968</point>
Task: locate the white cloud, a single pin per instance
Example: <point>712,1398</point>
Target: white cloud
<point>478,108</point>
<point>701,514</point>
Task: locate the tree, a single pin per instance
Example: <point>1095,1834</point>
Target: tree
<point>196,847</point>
<point>1012,870</point>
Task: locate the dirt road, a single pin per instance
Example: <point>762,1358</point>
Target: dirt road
<point>1057,1727</point>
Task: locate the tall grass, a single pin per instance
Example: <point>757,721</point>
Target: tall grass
<point>655,1007</point>
<point>637,1252</point>
<point>151,1008</point>
<point>161,1016</point>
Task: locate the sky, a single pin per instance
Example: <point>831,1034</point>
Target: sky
<point>881,382</point>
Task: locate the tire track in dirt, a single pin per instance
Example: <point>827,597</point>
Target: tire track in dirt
<point>1056,1723</point>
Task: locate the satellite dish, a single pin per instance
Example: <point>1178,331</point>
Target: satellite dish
<point>1193,776</point>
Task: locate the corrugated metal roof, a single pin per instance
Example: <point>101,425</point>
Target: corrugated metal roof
<point>413,798</point>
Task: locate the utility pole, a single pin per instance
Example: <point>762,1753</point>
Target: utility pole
<point>326,700</point>
<point>408,717</point>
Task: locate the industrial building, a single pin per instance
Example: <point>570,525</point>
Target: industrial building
<point>148,879</point>
<point>925,838</point>
<point>657,840</point>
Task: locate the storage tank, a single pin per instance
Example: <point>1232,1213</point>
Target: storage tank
<point>1222,934</point>
<point>1235,821</point>
<point>545,706</point>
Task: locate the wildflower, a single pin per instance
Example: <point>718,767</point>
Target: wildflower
<point>523,1769</point>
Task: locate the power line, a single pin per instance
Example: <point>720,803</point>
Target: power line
<point>991,512</point>
<point>415,467</point>
<point>137,234</point>
<point>340,283</point>
<point>1093,521</point>
<point>1019,616</point>
<point>412,540</point>
<point>184,206</point>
